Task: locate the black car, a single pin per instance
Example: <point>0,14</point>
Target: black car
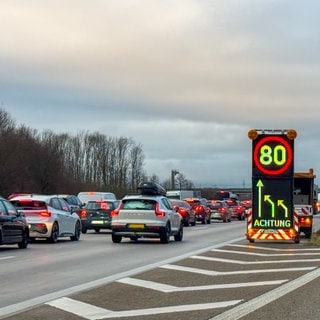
<point>95,215</point>
<point>14,228</point>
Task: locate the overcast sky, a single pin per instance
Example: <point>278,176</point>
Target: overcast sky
<point>185,78</point>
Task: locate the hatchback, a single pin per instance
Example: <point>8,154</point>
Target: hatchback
<point>200,208</point>
<point>13,225</point>
<point>96,215</point>
<point>49,217</point>
<point>237,210</point>
<point>219,210</point>
<point>185,210</point>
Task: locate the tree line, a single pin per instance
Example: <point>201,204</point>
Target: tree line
<point>46,162</point>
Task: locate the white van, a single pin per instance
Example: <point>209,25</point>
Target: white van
<point>95,196</point>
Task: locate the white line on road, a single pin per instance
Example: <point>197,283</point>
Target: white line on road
<point>268,254</point>
<point>256,303</point>
<point>252,262</point>
<point>91,312</point>
<point>167,288</point>
<point>7,257</point>
<point>250,246</point>
<point>218,273</point>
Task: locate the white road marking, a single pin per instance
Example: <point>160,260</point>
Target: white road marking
<point>219,273</point>
<point>167,288</point>
<point>250,246</point>
<point>91,312</point>
<point>252,262</point>
<point>7,257</point>
<point>268,254</point>
<point>258,302</point>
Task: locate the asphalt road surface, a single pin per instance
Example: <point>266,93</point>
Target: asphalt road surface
<point>213,274</point>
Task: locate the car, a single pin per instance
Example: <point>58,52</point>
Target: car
<point>185,210</point>
<point>200,208</point>
<point>148,214</point>
<point>74,202</point>
<point>14,228</point>
<point>237,210</point>
<point>219,210</point>
<point>96,214</point>
<point>86,196</point>
<point>49,217</point>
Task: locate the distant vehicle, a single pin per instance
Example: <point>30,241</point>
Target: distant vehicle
<point>180,194</point>
<point>148,214</point>
<point>95,195</point>
<point>223,195</point>
<point>96,215</point>
<point>185,210</point>
<point>73,201</point>
<point>219,210</point>
<point>237,210</point>
<point>201,209</point>
<point>49,217</point>
<point>14,228</point>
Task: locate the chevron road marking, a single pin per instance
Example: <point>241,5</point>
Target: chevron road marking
<point>251,262</point>
<point>91,312</point>
<point>7,257</point>
<point>167,288</point>
<point>252,305</point>
<point>218,273</point>
<point>267,254</point>
<point>271,249</point>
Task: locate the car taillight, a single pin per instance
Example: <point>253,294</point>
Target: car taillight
<point>198,208</point>
<point>182,211</point>
<point>115,212</point>
<point>158,212</point>
<point>222,210</point>
<point>45,214</point>
<point>83,213</point>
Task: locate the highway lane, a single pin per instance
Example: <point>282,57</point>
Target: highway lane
<point>45,269</point>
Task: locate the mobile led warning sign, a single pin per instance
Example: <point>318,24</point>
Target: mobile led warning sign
<point>272,180</point>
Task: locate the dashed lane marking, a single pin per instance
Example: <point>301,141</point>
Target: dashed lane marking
<point>219,273</point>
<point>267,254</point>
<point>251,262</point>
<point>167,288</point>
<point>91,312</point>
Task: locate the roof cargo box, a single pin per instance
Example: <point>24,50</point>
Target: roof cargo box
<point>151,188</point>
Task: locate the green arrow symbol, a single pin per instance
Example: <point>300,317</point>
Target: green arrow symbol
<point>260,186</point>
<point>267,199</point>
<point>280,204</point>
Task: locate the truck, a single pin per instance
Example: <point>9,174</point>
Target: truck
<point>180,194</point>
<point>303,200</point>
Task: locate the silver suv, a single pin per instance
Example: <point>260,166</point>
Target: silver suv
<point>148,215</point>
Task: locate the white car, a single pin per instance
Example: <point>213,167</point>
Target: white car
<point>148,215</point>
<point>48,216</point>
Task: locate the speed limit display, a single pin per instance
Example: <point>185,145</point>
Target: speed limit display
<point>272,156</point>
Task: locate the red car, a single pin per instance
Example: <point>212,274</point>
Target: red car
<point>238,211</point>
<point>200,208</point>
<point>185,210</point>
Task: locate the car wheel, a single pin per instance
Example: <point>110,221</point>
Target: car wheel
<point>209,221</point>
<point>97,230</point>
<point>179,235</point>
<point>77,232</point>
<point>115,238</point>
<point>134,238</point>
<point>165,236</point>
<point>186,223</point>
<point>54,233</point>
<point>203,221</point>
<point>193,223</point>
<point>24,242</point>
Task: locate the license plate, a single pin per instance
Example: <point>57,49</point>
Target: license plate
<point>97,222</point>
<point>136,226</point>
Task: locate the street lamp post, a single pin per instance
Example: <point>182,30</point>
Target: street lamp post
<point>173,174</point>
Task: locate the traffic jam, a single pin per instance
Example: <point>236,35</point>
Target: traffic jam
<point>244,278</point>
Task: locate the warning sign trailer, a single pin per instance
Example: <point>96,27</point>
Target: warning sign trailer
<point>272,216</point>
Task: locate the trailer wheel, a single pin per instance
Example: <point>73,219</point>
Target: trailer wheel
<point>297,239</point>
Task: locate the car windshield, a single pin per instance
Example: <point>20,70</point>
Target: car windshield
<point>138,204</point>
